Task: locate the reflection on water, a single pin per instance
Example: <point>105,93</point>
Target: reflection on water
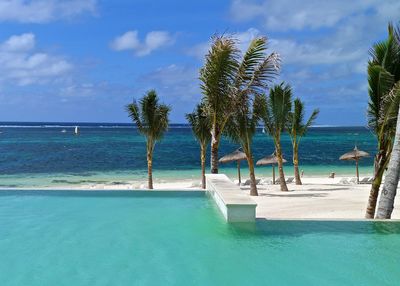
<point>303,227</point>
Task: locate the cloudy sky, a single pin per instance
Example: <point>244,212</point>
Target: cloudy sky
<point>83,60</point>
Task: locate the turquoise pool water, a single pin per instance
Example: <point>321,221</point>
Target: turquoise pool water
<point>176,238</point>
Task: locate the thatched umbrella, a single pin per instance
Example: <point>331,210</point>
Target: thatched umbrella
<point>270,160</point>
<point>234,156</point>
<point>355,155</point>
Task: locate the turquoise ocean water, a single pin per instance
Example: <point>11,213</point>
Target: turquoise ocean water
<point>39,154</point>
<point>141,238</point>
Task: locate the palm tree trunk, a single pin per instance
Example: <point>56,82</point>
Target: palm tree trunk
<point>253,186</point>
<point>296,163</point>
<point>150,168</point>
<point>273,174</point>
<point>238,168</point>
<point>214,149</point>
<point>380,164</point>
<point>203,166</point>
<point>282,181</point>
<point>386,200</point>
<point>357,173</point>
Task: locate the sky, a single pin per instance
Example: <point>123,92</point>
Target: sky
<point>84,60</point>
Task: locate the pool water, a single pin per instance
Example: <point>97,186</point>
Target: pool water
<point>180,238</point>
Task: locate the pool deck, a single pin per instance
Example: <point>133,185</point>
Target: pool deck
<point>235,205</point>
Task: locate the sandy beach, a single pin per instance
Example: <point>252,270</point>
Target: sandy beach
<point>317,198</point>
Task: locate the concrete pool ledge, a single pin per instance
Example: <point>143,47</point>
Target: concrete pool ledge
<point>235,205</point>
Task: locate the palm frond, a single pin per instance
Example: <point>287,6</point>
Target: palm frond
<point>200,124</point>
<point>150,117</point>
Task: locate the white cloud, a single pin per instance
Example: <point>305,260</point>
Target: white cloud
<point>153,41</point>
<point>21,64</point>
<point>281,15</point>
<point>43,11</point>
<point>244,38</point>
<point>24,42</point>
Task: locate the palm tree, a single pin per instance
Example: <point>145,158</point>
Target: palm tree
<point>278,107</point>
<point>386,200</point>
<point>383,74</point>
<point>201,130</point>
<point>255,71</point>
<point>227,80</point>
<point>297,129</point>
<point>216,77</point>
<point>151,119</point>
<point>241,129</point>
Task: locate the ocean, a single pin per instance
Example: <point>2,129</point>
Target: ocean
<point>41,154</point>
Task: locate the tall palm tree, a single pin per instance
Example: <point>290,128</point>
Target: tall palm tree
<point>278,107</point>
<point>297,129</point>
<point>227,78</point>
<point>386,200</point>
<point>151,119</point>
<point>216,77</point>
<point>241,129</point>
<point>201,130</point>
<point>383,74</point>
<point>255,71</point>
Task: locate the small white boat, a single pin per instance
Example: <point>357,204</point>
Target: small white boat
<point>76,131</point>
<point>63,131</point>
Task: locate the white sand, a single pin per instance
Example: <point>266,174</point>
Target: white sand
<point>317,198</point>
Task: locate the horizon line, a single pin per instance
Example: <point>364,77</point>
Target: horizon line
<point>172,123</point>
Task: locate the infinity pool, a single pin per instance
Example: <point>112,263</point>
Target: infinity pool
<point>180,238</point>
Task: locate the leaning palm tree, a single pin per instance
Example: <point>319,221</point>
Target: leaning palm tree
<point>383,74</point>
<point>227,79</point>
<point>386,200</point>
<point>278,107</point>
<point>297,129</point>
<point>241,129</point>
<point>201,130</point>
<point>151,119</point>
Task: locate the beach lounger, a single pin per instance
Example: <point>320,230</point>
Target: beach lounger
<point>367,180</point>
<point>248,181</point>
<point>344,181</point>
<point>364,180</point>
<point>277,181</point>
<point>266,182</point>
<point>353,181</point>
<point>289,180</point>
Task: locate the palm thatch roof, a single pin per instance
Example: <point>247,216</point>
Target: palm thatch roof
<point>234,156</point>
<point>269,160</point>
<point>354,155</point>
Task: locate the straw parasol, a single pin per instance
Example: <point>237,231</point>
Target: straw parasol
<point>270,160</point>
<point>234,156</point>
<point>355,155</point>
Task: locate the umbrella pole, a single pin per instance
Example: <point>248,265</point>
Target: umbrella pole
<point>357,174</point>
<point>238,167</point>
<point>273,174</point>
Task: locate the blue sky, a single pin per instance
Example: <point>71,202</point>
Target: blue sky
<point>83,60</point>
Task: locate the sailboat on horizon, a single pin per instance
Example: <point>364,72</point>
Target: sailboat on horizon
<point>76,131</point>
